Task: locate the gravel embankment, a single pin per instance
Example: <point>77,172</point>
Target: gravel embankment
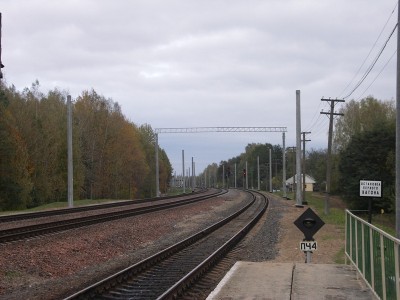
<point>53,266</point>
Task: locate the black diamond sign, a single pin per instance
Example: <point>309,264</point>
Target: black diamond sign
<point>309,223</point>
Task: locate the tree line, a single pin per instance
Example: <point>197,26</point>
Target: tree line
<point>364,149</point>
<point>113,157</point>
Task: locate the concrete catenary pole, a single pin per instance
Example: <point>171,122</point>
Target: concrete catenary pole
<point>183,171</point>
<point>192,177</point>
<point>398,131</point>
<point>1,63</point>
<point>247,176</point>
<point>70,162</point>
<point>270,170</point>
<point>258,172</point>
<point>235,176</point>
<point>223,176</point>
<point>189,179</point>
<point>283,166</point>
<point>157,170</point>
<point>299,201</point>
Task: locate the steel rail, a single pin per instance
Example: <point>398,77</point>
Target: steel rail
<point>63,211</point>
<point>178,288</point>
<point>20,233</point>
<point>97,289</point>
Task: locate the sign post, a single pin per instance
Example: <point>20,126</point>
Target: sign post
<point>309,223</point>
<point>371,189</point>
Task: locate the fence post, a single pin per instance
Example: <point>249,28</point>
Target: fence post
<point>383,266</point>
<point>346,237</point>
<point>371,249</point>
<point>363,248</point>
<point>396,259</point>
<point>351,239</point>
<point>356,240</point>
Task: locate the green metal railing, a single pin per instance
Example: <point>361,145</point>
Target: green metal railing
<point>375,254</point>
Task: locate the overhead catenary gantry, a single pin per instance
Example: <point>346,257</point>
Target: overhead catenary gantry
<point>219,129</point>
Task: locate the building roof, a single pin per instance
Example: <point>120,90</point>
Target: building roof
<point>309,179</point>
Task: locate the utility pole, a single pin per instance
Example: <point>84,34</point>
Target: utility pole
<point>284,166</point>
<point>299,202</point>
<point>223,176</point>
<point>235,176</point>
<point>192,178</point>
<point>70,163</point>
<point>328,159</point>
<point>258,173</point>
<point>183,172</point>
<point>304,165</point>
<point>247,178</point>
<point>398,131</point>
<point>270,170</point>
<point>293,149</point>
<point>1,64</point>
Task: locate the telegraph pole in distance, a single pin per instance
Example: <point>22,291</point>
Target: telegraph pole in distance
<point>328,159</point>
<point>293,149</point>
<point>304,165</point>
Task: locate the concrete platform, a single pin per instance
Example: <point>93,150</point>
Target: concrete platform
<point>251,280</point>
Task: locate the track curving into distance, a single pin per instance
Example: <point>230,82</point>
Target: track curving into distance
<point>167,274</point>
<point>24,232</point>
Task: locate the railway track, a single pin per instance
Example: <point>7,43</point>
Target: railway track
<point>24,232</point>
<point>167,274</point>
<point>66,211</point>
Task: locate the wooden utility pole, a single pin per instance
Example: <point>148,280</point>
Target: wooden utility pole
<point>328,159</point>
<point>304,164</point>
<point>293,150</point>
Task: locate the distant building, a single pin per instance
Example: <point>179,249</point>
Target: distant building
<point>310,182</point>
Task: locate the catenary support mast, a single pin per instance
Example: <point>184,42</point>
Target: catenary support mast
<point>208,129</point>
<point>398,130</point>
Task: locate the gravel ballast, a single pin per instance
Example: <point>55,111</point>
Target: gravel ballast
<point>57,265</point>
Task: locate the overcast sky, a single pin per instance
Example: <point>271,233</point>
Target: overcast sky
<point>189,63</point>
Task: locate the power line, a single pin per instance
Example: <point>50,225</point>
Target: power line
<point>370,51</point>
<point>314,124</point>
<point>321,128</point>
<point>372,65</point>
<point>359,97</point>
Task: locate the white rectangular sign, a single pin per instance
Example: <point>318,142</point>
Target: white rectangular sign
<point>308,246</point>
<point>370,188</point>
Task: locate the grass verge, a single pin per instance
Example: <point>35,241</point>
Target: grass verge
<point>58,205</point>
